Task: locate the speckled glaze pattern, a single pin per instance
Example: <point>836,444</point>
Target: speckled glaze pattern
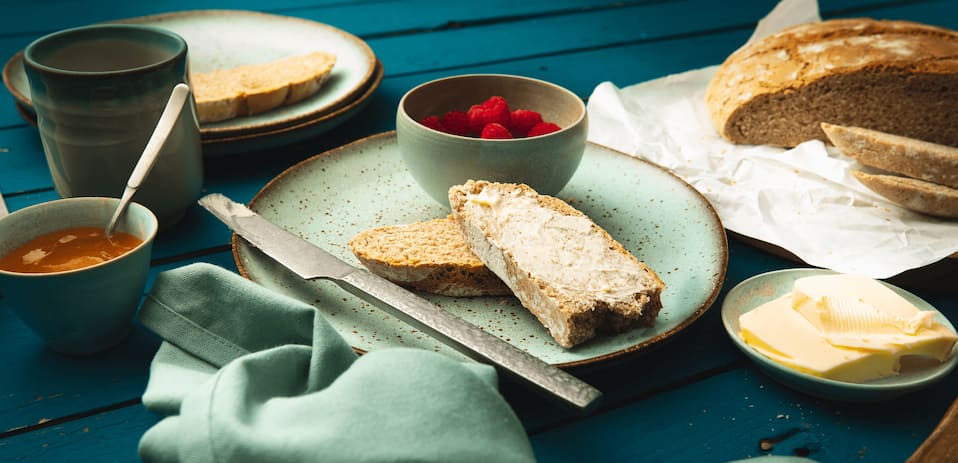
<point>759,289</point>
<point>221,39</point>
<point>330,197</point>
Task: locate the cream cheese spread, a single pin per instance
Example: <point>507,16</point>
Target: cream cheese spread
<point>583,262</point>
<point>844,327</point>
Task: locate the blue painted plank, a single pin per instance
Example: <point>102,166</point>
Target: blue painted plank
<point>110,436</point>
<point>725,418</point>
<point>538,27</point>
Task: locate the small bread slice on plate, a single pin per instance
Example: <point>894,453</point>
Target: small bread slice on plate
<point>257,88</point>
<point>430,256</point>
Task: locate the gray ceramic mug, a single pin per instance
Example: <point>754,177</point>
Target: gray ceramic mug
<point>98,92</point>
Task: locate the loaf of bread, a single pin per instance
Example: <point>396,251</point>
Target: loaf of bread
<point>897,77</point>
<point>918,159</point>
<point>917,195</point>
<point>256,88</point>
<point>575,278</point>
<point>429,256</point>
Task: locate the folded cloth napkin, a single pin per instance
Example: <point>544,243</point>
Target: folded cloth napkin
<point>246,374</point>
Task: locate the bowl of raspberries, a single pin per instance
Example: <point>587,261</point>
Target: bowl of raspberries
<point>495,127</point>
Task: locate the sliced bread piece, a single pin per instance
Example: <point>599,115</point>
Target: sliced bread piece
<point>429,256</point>
<point>256,88</point>
<point>916,195</point>
<point>575,278</point>
<point>893,153</point>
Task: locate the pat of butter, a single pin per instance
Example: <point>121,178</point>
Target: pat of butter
<point>781,333</point>
<point>844,327</point>
<point>856,311</point>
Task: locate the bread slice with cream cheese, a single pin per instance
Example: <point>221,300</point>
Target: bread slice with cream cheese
<point>569,272</point>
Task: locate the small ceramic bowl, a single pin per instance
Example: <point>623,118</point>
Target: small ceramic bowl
<point>757,290</point>
<point>438,160</point>
<point>85,310</point>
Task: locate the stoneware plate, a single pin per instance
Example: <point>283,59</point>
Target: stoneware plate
<point>220,39</point>
<point>759,289</point>
<point>330,197</point>
<point>284,135</point>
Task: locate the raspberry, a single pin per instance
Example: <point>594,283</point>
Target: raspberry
<point>542,128</point>
<point>456,123</point>
<point>521,120</point>
<point>495,109</point>
<point>432,122</point>
<point>495,130</point>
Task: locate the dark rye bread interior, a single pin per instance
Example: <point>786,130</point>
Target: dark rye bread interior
<point>898,101</point>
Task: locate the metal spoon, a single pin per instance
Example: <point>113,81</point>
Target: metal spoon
<point>143,166</point>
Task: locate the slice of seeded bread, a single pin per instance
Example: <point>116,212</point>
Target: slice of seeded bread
<point>575,278</point>
<point>256,88</point>
<point>429,256</point>
<point>913,158</point>
<point>917,195</point>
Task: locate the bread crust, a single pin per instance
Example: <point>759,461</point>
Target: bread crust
<point>899,77</point>
<point>913,194</point>
<point>430,256</point>
<point>571,317</point>
<point>257,88</point>
<point>919,159</point>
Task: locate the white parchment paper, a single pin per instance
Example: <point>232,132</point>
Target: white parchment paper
<point>803,199</point>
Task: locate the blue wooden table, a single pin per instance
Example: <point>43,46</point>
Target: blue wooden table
<point>695,398</point>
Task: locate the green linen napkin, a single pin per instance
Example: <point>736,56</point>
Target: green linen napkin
<point>246,374</point>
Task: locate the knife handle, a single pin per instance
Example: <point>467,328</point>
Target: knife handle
<point>470,339</point>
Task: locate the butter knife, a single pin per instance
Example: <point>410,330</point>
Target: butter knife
<point>311,262</point>
<point>3,206</point>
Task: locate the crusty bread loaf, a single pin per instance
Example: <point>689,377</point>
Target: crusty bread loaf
<point>919,159</point>
<point>429,256</point>
<point>897,77</point>
<point>575,278</point>
<point>917,195</point>
<point>256,88</point>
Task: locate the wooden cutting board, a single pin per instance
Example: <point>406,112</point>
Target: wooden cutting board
<point>942,444</point>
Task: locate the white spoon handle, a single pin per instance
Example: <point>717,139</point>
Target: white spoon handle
<point>162,131</point>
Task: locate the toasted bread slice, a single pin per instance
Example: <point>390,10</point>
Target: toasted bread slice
<point>257,88</point>
<point>429,256</point>
<point>916,195</point>
<point>575,278</point>
<point>913,158</point>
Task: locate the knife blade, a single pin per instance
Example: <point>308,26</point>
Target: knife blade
<point>312,262</point>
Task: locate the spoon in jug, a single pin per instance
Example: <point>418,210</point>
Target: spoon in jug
<point>143,166</point>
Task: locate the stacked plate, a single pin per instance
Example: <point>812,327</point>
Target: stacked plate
<point>221,39</point>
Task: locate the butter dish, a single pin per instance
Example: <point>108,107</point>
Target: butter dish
<point>916,372</point>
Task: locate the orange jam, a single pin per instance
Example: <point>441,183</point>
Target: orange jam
<point>68,249</point>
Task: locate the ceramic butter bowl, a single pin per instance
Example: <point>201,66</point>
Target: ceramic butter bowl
<point>82,310</point>
<point>439,160</point>
<point>755,291</point>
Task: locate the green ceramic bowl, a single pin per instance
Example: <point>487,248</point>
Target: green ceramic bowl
<point>439,160</point>
<point>757,290</point>
<point>85,310</point>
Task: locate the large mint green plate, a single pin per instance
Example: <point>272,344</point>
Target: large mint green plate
<point>330,197</point>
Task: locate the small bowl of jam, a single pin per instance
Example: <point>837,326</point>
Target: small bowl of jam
<point>72,285</point>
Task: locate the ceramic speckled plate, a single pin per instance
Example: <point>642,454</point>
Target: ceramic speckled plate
<point>220,39</point>
<point>755,291</point>
<point>330,197</point>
